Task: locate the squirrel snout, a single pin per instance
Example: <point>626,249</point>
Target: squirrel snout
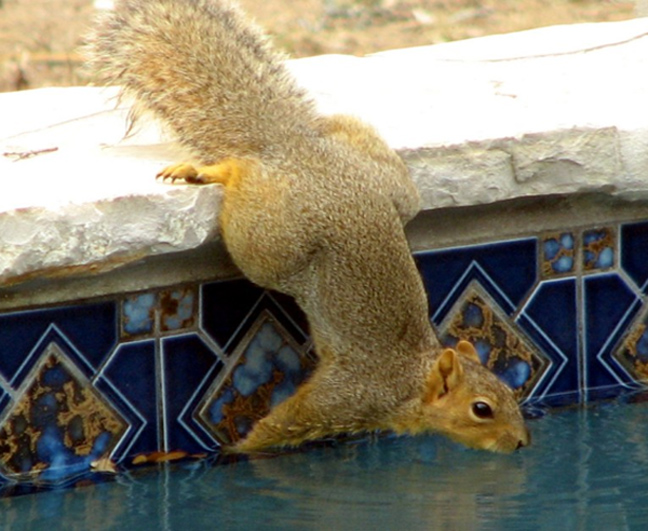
<point>525,440</point>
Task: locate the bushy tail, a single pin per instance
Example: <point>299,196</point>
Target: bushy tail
<point>204,70</point>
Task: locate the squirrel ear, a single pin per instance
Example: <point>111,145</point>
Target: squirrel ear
<point>446,374</point>
<point>465,348</point>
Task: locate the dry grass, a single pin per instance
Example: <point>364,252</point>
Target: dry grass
<point>38,38</point>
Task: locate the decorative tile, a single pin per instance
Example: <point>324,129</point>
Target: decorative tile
<point>633,350</point>
<point>19,331</point>
<point>265,369</point>
<point>58,424</point>
<point>501,346</point>
<point>178,309</point>
<point>129,380</point>
<point>5,400</point>
<point>550,318</point>
<point>138,315</point>
<point>558,254</point>
<point>5,396</point>
<point>598,249</point>
<point>146,314</point>
<point>609,305</point>
<point>225,307</point>
<point>560,317</point>
<point>510,268</point>
<point>634,249</point>
<point>190,368</point>
<point>229,308</point>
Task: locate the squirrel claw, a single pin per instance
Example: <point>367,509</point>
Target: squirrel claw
<point>180,172</point>
<point>219,173</point>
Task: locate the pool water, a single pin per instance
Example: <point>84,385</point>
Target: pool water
<point>586,469</point>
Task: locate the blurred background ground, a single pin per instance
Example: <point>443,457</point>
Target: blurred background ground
<point>39,38</point>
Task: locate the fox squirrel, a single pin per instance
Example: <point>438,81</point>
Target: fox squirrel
<point>314,206</point>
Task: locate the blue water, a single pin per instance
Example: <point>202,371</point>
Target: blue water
<point>586,469</point>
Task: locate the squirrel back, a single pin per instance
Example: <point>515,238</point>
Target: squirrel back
<point>314,206</point>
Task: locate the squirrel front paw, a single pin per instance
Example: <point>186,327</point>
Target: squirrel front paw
<point>223,172</point>
<point>181,172</point>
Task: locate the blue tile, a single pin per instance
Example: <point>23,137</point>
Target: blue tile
<point>178,309</point>
<point>171,310</point>
<point>266,354</point>
<point>609,305</point>
<point>53,335</point>
<point>500,343</point>
<point>550,318</point>
<point>296,323</point>
<point>225,305</point>
<point>509,267</point>
<point>634,252</point>
<point>558,252</point>
<point>265,368</point>
<point>190,367</point>
<point>138,314</point>
<point>552,306</point>
<point>59,424</point>
<point>632,352</point>
<point>598,249</point>
<point>129,380</point>
<point>5,400</point>
<point>247,301</point>
<point>92,328</point>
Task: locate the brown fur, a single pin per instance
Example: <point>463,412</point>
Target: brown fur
<point>314,206</point>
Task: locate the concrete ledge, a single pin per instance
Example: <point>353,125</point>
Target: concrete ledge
<point>552,110</point>
<point>529,115</point>
<point>83,198</point>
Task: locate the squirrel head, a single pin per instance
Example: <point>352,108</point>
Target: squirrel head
<point>468,403</point>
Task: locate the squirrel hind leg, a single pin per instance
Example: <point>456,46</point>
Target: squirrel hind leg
<point>300,418</point>
<point>223,172</point>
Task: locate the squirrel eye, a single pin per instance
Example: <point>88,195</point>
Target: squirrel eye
<point>482,410</point>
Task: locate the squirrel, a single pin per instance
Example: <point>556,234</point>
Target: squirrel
<point>314,206</point>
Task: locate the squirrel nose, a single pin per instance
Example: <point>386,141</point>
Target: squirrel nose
<point>526,441</point>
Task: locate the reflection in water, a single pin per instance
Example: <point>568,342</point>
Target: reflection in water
<point>585,469</point>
